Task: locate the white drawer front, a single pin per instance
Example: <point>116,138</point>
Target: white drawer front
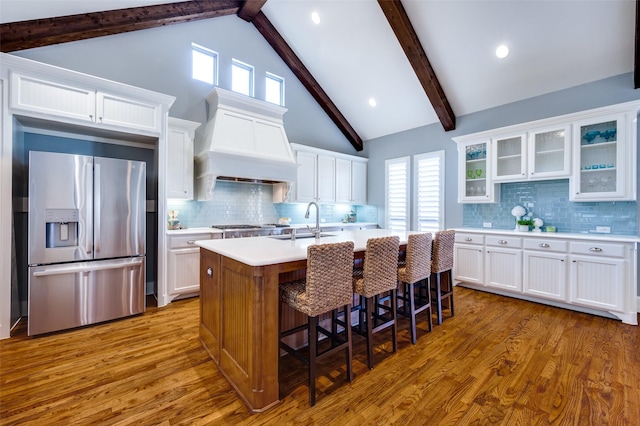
<point>504,241</point>
<point>546,245</point>
<point>598,249</point>
<point>462,238</point>
<point>187,240</point>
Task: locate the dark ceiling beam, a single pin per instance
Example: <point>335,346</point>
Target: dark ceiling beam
<point>636,67</point>
<point>44,32</point>
<point>406,35</point>
<point>250,9</point>
<point>273,37</point>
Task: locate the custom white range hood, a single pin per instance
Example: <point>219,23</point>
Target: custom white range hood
<point>244,141</point>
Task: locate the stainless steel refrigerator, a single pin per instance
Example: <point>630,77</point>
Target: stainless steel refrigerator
<point>86,251</point>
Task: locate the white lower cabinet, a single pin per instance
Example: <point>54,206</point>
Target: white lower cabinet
<point>584,273</point>
<point>184,264</point>
<point>503,258</point>
<point>469,258</point>
<point>598,275</point>
<point>545,268</point>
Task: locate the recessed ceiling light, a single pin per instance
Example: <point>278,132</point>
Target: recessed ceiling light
<point>372,102</point>
<point>502,51</point>
<point>315,18</point>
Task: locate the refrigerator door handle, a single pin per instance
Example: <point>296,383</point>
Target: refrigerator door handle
<point>88,234</point>
<point>97,200</point>
<point>71,269</point>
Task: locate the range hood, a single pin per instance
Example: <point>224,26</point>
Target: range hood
<point>244,140</point>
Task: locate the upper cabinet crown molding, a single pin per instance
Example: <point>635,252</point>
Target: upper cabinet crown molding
<point>552,121</point>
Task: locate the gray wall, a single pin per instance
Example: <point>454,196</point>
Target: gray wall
<point>429,138</point>
<point>159,59</point>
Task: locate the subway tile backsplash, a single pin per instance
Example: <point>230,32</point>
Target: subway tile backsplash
<point>248,203</point>
<point>549,200</point>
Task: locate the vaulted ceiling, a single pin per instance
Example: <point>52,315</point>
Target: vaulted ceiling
<point>422,61</point>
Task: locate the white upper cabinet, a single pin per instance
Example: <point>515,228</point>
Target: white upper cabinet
<point>509,157</point>
<point>61,101</point>
<point>604,169</point>
<point>305,188</point>
<point>327,177</point>
<point>326,184</point>
<point>180,158</point>
<point>594,149</point>
<point>351,181</point>
<point>543,153</point>
<point>550,152</point>
<point>474,164</point>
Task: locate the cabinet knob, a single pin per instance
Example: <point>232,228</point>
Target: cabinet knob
<point>595,249</point>
<point>210,271</point>
<point>543,245</point>
<point>468,239</point>
<point>502,241</point>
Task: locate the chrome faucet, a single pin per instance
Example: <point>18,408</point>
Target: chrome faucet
<point>316,231</point>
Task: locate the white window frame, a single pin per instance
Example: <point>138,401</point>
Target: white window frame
<point>389,220</point>
<point>422,220</point>
<point>277,79</point>
<point>247,67</point>
<point>215,61</point>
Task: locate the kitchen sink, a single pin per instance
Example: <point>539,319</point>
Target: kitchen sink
<point>299,236</point>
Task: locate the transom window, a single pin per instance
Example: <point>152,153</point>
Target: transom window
<point>274,89</point>
<point>204,64</point>
<point>241,77</point>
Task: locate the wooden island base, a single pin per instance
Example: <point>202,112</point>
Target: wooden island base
<point>239,324</point>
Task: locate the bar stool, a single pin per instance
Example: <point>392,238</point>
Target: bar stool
<point>327,287</point>
<point>442,261</point>
<point>378,275</point>
<point>414,274</point>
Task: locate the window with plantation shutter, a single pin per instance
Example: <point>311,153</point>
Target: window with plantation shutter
<point>397,194</point>
<point>429,191</point>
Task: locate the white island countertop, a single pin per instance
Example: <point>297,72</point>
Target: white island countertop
<point>260,251</point>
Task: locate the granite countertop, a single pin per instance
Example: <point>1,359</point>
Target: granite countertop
<point>559,235</point>
<point>260,251</point>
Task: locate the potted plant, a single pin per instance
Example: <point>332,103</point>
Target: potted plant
<point>524,224</point>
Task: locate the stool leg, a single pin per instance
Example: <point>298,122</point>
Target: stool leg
<point>451,295</point>
<point>369,313</point>
<point>412,313</point>
<point>313,339</point>
<point>394,315</point>
<point>348,350</point>
<point>439,298</point>
<point>429,310</point>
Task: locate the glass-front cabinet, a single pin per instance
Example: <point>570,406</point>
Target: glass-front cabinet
<point>475,186</point>
<point>510,158</point>
<point>600,160</point>
<point>550,152</point>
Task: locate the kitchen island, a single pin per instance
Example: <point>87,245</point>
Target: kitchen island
<point>239,304</point>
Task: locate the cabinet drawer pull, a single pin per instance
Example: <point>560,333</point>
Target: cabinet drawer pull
<point>191,242</point>
<point>210,271</point>
<point>468,239</point>
<point>595,249</point>
<point>543,245</point>
<point>502,241</point>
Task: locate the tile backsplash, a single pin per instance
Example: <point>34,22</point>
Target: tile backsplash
<point>249,203</point>
<point>549,200</point>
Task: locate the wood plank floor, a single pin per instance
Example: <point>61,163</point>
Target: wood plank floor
<point>498,361</point>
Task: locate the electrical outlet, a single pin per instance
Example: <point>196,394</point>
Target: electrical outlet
<point>603,229</point>
<point>487,225</point>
